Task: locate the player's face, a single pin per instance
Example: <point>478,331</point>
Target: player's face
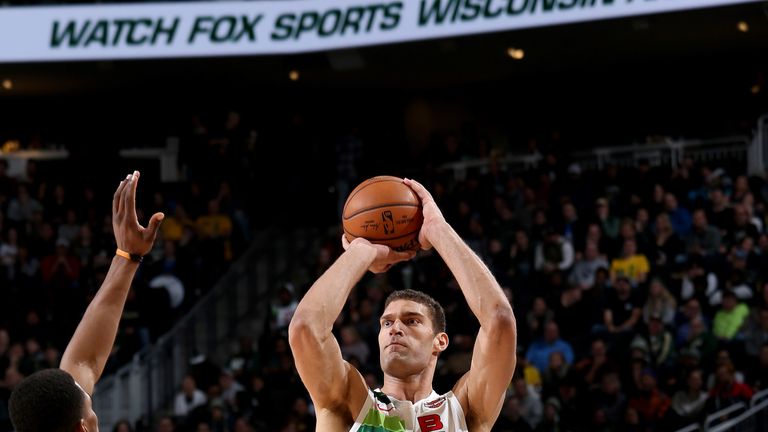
<point>407,341</point>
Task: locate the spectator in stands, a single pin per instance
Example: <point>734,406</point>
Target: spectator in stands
<point>609,224</point>
<point>622,309</point>
<point>23,207</point>
<point>720,213</point>
<point>352,346</point>
<point>554,253</point>
<point>122,426</point>
<point>540,350</point>
<point>573,228</point>
<point>591,369</point>
<point>651,403</point>
<point>165,424</point>
<point>551,420</point>
<point>756,332</point>
<point>742,227</point>
<point>700,284</point>
<point>583,272</point>
<point>704,239</point>
<point>699,339</point>
<point>730,318</point>
<point>688,403</point>
<point>632,265</point>
<point>283,308</point>
<point>523,256</point>
<point>557,371</point>
<point>679,217</point>
<point>668,245</point>
<point>609,399</point>
<point>660,302</point>
<point>658,343</point>
<point>215,230</point>
<point>511,418</point>
<point>758,374</point>
<point>529,401</point>
<point>189,398</point>
<point>727,390</point>
<point>537,318</point>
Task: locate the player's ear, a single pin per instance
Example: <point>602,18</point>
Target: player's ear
<point>81,427</point>
<point>441,342</point>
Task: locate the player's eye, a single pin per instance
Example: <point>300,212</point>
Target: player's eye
<point>413,321</point>
<point>386,323</point>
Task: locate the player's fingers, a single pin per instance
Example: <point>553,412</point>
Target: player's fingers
<point>154,224</point>
<point>420,190</point>
<point>344,242</point>
<point>117,197</point>
<point>396,256</point>
<point>130,197</point>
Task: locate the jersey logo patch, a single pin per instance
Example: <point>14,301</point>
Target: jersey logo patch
<point>437,403</point>
<point>430,423</point>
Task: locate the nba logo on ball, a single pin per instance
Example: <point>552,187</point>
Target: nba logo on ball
<point>387,202</point>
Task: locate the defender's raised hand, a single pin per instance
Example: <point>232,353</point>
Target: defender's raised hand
<point>130,236</point>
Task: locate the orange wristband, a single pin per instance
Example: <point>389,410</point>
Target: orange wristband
<point>129,256</point>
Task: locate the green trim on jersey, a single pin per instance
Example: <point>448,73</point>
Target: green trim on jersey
<point>377,421</point>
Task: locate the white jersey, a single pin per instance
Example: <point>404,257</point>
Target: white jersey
<point>435,413</point>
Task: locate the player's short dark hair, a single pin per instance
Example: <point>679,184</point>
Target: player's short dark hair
<point>47,401</point>
<point>437,314</point>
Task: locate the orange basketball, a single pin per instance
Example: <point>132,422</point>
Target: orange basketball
<point>385,211</point>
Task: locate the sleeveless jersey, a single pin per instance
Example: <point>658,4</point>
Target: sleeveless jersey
<point>436,413</point>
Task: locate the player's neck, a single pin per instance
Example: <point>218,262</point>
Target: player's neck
<point>412,388</point>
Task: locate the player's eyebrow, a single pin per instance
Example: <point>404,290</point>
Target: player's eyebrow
<point>405,314</point>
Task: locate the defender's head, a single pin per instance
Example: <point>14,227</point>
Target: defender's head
<point>51,401</point>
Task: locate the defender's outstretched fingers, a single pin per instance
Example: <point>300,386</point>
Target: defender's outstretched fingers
<point>117,198</point>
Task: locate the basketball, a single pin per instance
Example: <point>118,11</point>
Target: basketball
<point>383,210</point>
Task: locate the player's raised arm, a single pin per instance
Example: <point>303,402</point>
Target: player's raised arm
<point>481,390</point>
<point>328,378</point>
<point>92,342</point>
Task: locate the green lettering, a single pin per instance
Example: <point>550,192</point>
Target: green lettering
<point>392,13</point>
<point>487,11</point>
<point>323,31</point>
<point>371,16</point>
<point>169,32</point>
<point>512,10</point>
<point>198,28</point>
<point>352,19</point>
<point>249,27</point>
<point>120,23</point>
<point>146,22</point>
<point>307,22</point>
<point>436,12</point>
<point>229,27</point>
<point>98,34</point>
<point>471,10</point>
<point>283,27</point>
<point>69,33</point>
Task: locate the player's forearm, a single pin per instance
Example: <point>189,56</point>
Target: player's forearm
<point>324,301</point>
<point>95,335</point>
<point>483,293</point>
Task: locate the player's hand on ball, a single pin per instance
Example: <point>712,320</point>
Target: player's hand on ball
<point>433,217</point>
<point>130,236</point>
<point>386,257</point>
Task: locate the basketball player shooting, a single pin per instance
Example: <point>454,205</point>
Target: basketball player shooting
<point>59,400</point>
<point>411,338</point>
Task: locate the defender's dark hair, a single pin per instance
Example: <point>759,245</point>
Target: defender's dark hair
<point>46,401</point>
<point>436,312</point>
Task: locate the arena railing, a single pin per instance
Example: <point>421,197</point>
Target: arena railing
<point>238,305</point>
<point>668,153</point>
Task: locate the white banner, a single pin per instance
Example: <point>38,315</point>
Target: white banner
<point>153,30</point>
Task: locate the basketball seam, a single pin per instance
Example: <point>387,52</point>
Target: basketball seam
<point>384,239</point>
<point>349,198</point>
<point>378,207</point>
